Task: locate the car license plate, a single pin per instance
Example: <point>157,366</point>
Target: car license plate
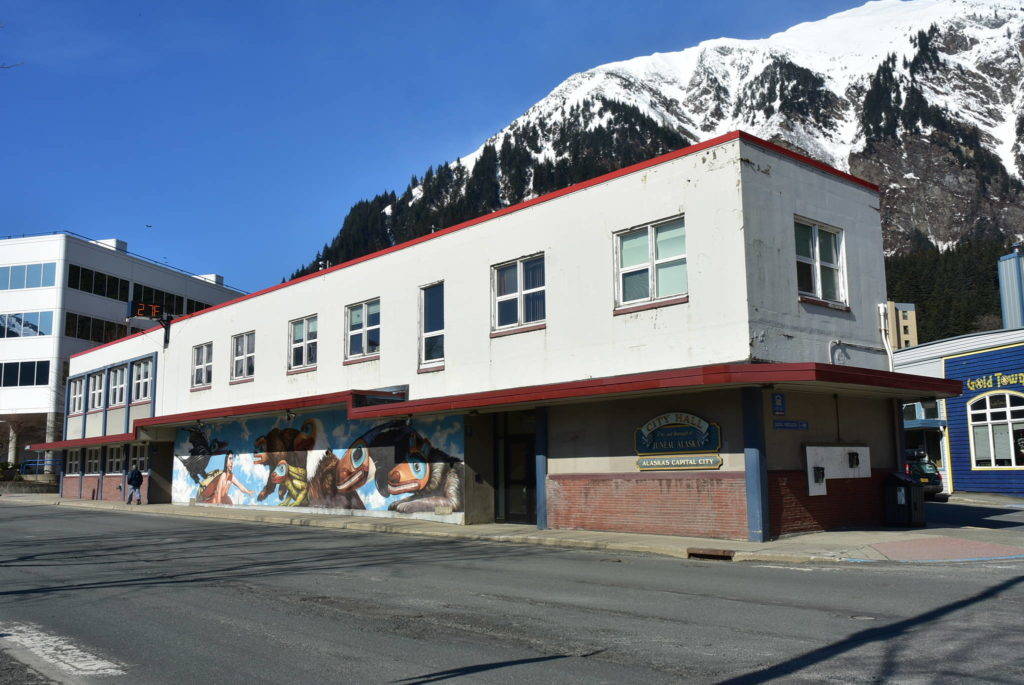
<point>926,480</point>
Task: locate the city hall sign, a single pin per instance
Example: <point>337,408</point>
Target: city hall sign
<point>678,441</point>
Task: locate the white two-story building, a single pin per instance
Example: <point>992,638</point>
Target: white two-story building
<point>61,294</point>
<point>690,345</point>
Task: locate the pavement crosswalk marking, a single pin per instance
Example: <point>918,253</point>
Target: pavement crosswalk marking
<point>58,651</point>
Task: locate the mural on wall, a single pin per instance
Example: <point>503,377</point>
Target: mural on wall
<point>324,460</point>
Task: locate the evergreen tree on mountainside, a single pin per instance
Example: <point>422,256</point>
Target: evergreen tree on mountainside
<point>594,138</point>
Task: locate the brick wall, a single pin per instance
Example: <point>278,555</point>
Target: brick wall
<point>90,488</point>
<point>850,502</point>
<point>702,504</point>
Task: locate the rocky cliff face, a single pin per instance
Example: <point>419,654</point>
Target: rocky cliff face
<point>923,97</point>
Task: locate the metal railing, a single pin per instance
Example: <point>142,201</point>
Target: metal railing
<point>35,467</point>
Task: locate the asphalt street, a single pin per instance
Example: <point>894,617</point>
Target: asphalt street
<point>93,596</point>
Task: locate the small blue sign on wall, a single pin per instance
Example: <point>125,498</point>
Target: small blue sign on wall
<point>779,403</point>
<point>677,433</point>
<point>789,425</point>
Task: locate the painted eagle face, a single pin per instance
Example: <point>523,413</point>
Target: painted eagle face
<point>409,476</point>
<point>353,469</point>
<point>280,472</point>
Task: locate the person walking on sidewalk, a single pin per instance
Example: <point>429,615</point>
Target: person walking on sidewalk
<point>134,481</point>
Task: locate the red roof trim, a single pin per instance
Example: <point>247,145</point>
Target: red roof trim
<point>84,442</point>
<point>739,374</point>
<point>568,190</point>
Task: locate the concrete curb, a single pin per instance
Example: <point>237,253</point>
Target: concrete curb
<point>668,549</point>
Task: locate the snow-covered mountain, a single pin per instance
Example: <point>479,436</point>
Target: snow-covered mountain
<point>923,97</point>
<point>808,87</point>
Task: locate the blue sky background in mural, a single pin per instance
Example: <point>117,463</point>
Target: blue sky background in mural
<point>334,432</point>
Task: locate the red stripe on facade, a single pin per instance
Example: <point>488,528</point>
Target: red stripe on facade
<point>714,375</point>
<point>568,190</point>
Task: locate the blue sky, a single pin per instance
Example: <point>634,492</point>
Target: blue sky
<point>243,131</point>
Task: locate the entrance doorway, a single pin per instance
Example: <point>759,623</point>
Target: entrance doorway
<point>516,494</point>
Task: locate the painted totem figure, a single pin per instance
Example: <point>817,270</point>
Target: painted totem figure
<point>284,451</point>
<point>433,478</point>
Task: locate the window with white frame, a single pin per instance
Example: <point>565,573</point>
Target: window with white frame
<point>651,262</point>
<point>74,462</point>
<point>997,430</point>
<point>118,382</point>
<point>138,457</point>
<point>142,372</point>
<point>819,271</point>
<point>92,460</point>
<point>202,365</point>
<point>115,459</point>
<point>95,390</point>
<point>518,292</point>
<point>243,355</point>
<point>432,318</point>
<point>77,396</point>
<point>303,342</point>
<point>363,329</point>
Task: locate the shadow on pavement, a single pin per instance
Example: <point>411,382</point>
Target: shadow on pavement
<point>953,515</point>
<point>872,635</point>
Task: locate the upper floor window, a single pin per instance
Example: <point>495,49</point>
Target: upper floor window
<point>26,324</point>
<point>18,276</point>
<point>652,262</point>
<point>997,430</point>
<point>142,372</point>
<point>115,459</point>
<point>303,342</point>
<point>363,329</point>
<point>432,317</point>
<point>202,365</point>
<point>14,374</point>
<point>95,390</point>
<point>194,306</point>
<point>819,272</point>
<point>97,283</point>
<point>96,330</point>
<point>519,292</point>
<point>77,396</point>
<point>118,383</point>
<point>243,355</point>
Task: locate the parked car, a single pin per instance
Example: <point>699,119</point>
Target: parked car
<point>920,468</point>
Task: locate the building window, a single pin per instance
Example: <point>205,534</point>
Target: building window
<point>15,374</point>
<point>904,315</point>
<point>652,262</point>
<point>92,460</point>
<point>363,329</point>
<point>138,457</point>
<point>141,376</point>
<point>518,292</point>
<point>95,390</point>
<point>26,324</point>
<point>202,365</point>
<point>432,316</point>
<point>818,262</point>
<point>20,276</point>
<point>243,355</point>
<point>302,333</point>
<point>118,382</point>
<point>195,306</point>
<point>115,459</point>
<point>997,430</point>
<point>97,283</point>
<point>97,330</point>
<point>74,462</point>
<point>77,396</point>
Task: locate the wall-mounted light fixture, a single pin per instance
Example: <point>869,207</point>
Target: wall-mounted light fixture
<point>289,415</point>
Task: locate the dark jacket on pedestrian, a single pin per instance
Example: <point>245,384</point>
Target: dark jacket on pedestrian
<point>135,478</point>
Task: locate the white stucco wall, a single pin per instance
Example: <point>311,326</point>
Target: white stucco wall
<point>741,280</point>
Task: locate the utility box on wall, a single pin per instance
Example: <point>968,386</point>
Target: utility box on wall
<point>824,462</point>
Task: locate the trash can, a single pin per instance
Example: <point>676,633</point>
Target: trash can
<point>904,501</point>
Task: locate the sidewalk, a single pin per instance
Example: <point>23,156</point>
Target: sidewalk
<point>932,544</point>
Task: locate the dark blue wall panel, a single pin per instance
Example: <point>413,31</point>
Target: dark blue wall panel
<point>986,366</point>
